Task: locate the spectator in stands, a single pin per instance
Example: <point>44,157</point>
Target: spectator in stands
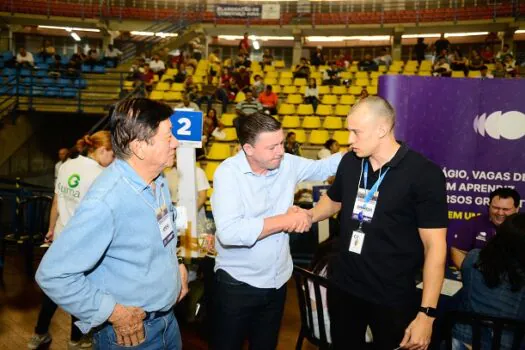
<point>86,167</point>
<point>249,106</point>
<point>269,100</point>
<point>420,49</point>
<point>302,70</point>
<point>136,69</point>
<point>157,66</point>
<point>75,63</point>
<point>215,65</point>
<point>316,59</point>
<point>459,62</point>
<point>206,95</point>
<point>441,68</point>
<point>55,68</point>
<point>499,70</point>
<point>211,125</point>
<point>267,58</point>
<point>244,45</point>
<point>487,54</point>
<point>504,52</point>
<point>62,157</point>
<point>24,59</point>
<point>384,58</point>
<point>341,62</point>
<point>475,62</point>
<point>112,54</point>
<point>181,75</point>
<point>242,78</point>
<point>93,57</point>
<point>48,50</point>
<point>494,283</point>
<point>242,61</point>
<point>258,85</point>
<point>510,66</point>
<point>484,71</point>
<point>291,145</point>
<point>311,95</point>
<point>196,48</point>
<point>441,44</point>
<point>476,232</point>
<point>331,76</point>
<point>330,147</point>
<point>147,78</point>
<point>368,64</point>
<point>187,103</point>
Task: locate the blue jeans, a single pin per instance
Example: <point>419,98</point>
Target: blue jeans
<point>159,334</point>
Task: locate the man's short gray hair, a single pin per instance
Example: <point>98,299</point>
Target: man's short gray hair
<point>379,107</point>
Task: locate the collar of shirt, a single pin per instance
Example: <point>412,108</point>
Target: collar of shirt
<point>398,157</point>
<point>242,161</point>
<point>135,180</point>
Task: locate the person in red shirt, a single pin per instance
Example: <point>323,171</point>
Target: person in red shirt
<point>269,100</point>
<point>487,55</point>
<point>244,44</point>
<point>147,78</point>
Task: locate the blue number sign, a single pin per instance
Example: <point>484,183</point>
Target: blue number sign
<point>187,127</point>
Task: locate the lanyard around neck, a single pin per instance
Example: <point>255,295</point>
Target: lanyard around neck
<point>375,186</point>
<point>144,199</point>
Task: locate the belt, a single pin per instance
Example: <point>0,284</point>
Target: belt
<point>156,314</point>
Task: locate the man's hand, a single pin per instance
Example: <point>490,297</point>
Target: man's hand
<point>184,281</point>
<point>49,237</point>
<point>418,333</point>
<point>127,324</point>
<point>300,220</point>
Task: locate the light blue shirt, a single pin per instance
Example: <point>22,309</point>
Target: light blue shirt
<point>241,201</point>
<point>111,251</point>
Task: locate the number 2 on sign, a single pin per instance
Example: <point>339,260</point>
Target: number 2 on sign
<point>185,127</point>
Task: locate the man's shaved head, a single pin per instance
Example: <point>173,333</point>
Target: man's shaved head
<point>377,107</point>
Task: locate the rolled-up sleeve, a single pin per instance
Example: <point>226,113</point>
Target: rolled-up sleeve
<point>62,272</point>
<point>233,228</point>
<point>315,170</point>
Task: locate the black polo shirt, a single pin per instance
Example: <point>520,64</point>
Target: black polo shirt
<point>411,196</point>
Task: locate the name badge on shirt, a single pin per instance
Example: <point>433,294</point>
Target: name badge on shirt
<point>356,243</point>
<point>165,225</point>
<point>364,211</point>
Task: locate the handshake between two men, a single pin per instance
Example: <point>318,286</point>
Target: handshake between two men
<point>298,220</point>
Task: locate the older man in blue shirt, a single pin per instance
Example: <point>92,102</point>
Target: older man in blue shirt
<point>115,265</point>
<point>252,206</point>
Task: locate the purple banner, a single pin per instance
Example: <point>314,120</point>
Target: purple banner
<point>474,129</point>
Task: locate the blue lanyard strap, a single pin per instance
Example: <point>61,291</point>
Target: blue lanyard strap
<point>375,187</point>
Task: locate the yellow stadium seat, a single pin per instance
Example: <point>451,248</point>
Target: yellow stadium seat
<point>128,85</point>
<point>375,75</point>
<point>162,86</point>
<point>289,89</point>
<point>346,75</point>
<point>300,135</point>
<point>311,122</point>
<point>219,151</point>
<point>155,78</point>
<point>423,73</point>
<point>276,89</point>
<point>231,134</point>
<point>339,90</point>
<point>318,137</point>
<point>372,90</point>
<point>278,64</point>
<point>173,96</point>
<point>374,82</point>
<point>392,73</point>
<point>381,69</point>
<point>197,79</point>
<point>285,81</point>
<point>361,75</point>
<point>329,100</point>
<point>269,68</point>
<point>332,123</point>
<point>256,66</point>
<point>323,90</point>
<point>324,110</point>
<point>271,74</point>
<point>157,95</point>
<point>353,68</point>
<point>491,66</point>
<point>458,74</point>
<point>286,75</point>
<point>302,90</point>
<point>361,82</point>
<point>227,119</point>
<point>425,66</point>
<point>304,109</point>
<point>474,74</point>
<point>286,109</point>
<point>270,81</point>
<point>166,77</point>
<point>294,99</point>
<point>342,110</point>
<point>347,99</point>
<point>355,90</point>
<point>412,63</point>
<point>316,75</point>
<point>410,69</point>
<point>178,87</point>
<point>341,136</point>
<point>408,73</point>
<point>240,97</point>
<point>398,63</point>
<point>300,82</point>
<point>170,72</point>
<point>210,169</point>
<point>291,121</point>
<point>323,68</point>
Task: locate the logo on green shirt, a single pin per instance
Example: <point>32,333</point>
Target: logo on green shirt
<point>73,181</point>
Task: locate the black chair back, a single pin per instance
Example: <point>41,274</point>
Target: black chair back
<point>305,282</point>
<point>33,218</point>
<point>482,324</point>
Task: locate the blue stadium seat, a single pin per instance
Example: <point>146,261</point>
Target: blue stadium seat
<point>38,59</point>
<point>25,72</point>
<point>52,92</point>
<point>4,89</point>
<point>80,83</point>
<point>69,93</point>
<point>86,68</point>
<point>38,91</point>
<point>50,60</point>
<point>63,82</point>
<point>9,72</point>
<point>99,69</point>
<point>110,64</point>
<point>43,66</point>
<point>1,63</point>
<point>64,60</point>
<point>47,82</point>
<point>41,73</point>
<point>7,55</point>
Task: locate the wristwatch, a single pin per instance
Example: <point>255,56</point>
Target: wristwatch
<point>180,260</point>
<point>429,311</point>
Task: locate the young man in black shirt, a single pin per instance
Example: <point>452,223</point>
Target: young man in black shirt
<point>393,222</point>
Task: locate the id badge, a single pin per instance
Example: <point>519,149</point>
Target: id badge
<point>165,225</point>
<point>364,211</point>
<point>356,243</point>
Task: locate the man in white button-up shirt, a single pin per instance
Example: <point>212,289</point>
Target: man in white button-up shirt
<point>253,194</point>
